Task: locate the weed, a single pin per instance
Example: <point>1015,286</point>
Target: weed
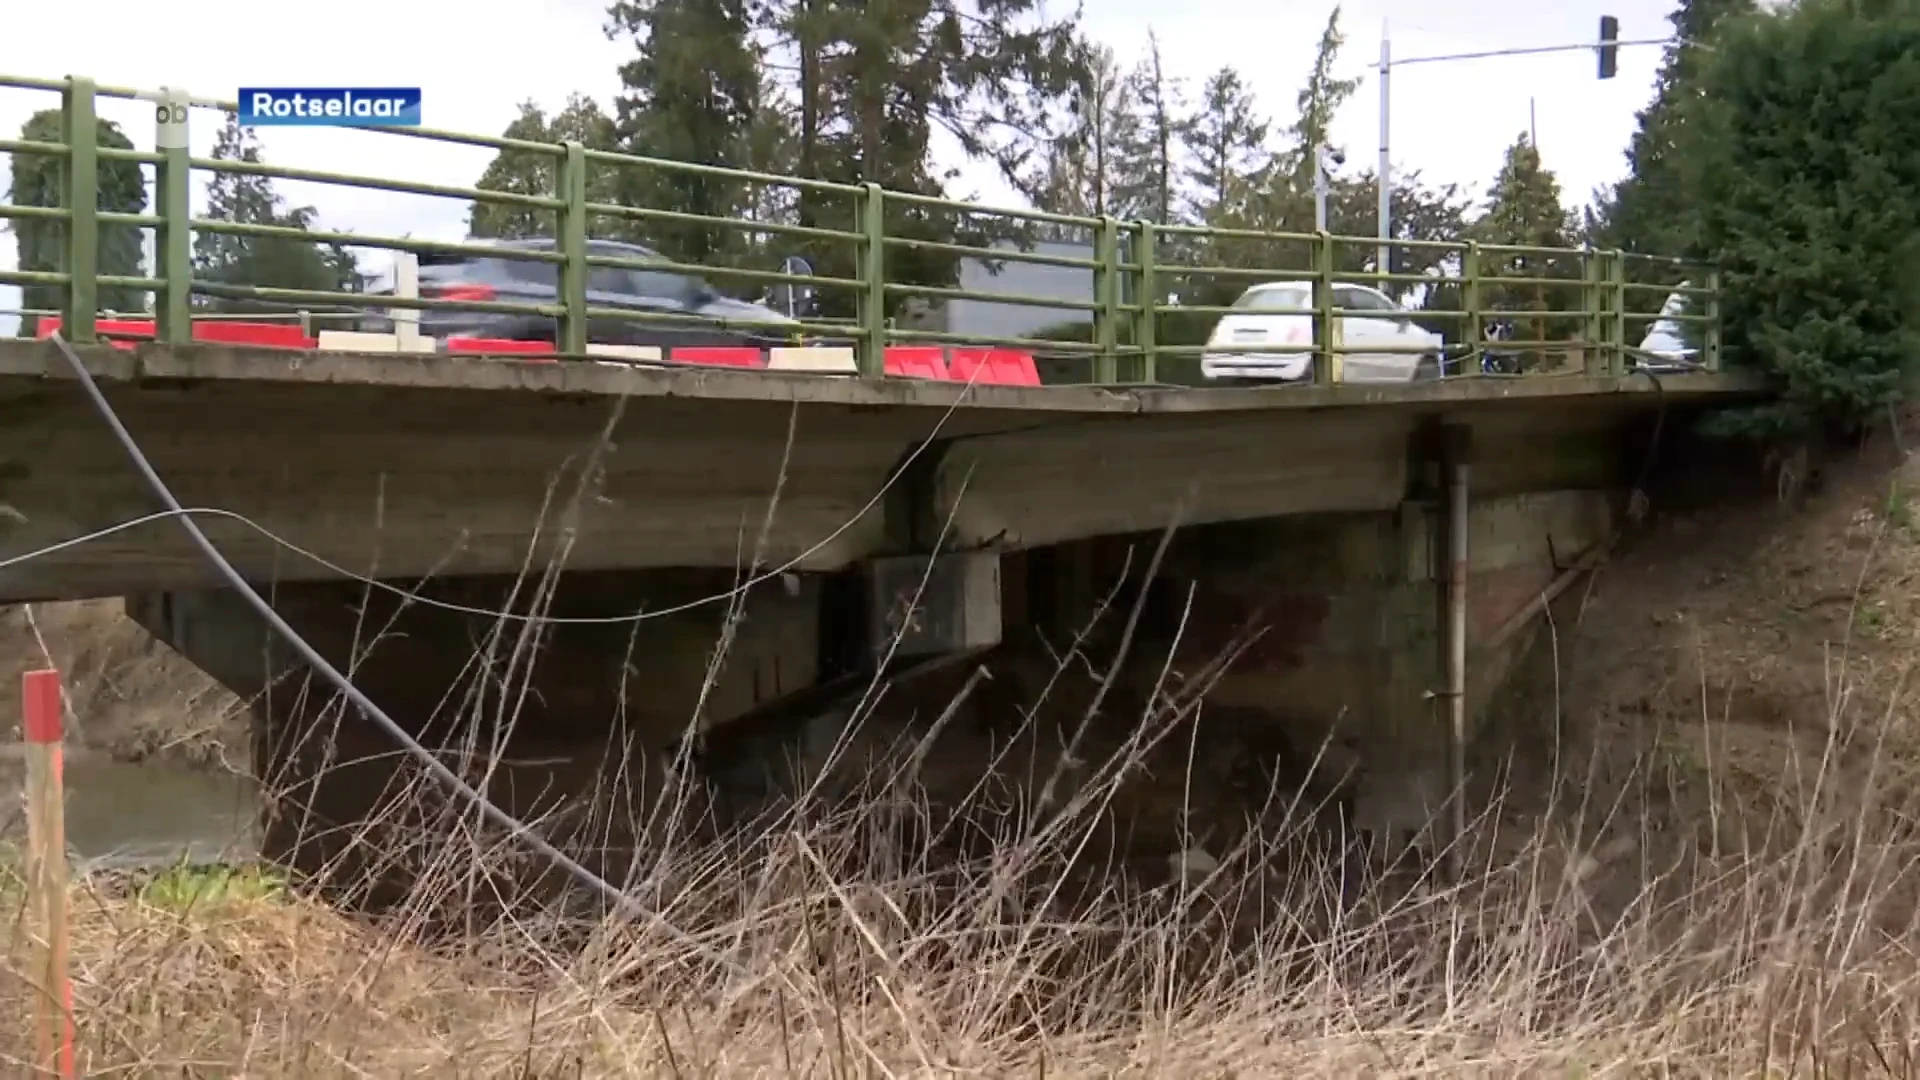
<point>184,888</point>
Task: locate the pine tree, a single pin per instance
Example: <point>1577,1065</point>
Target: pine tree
<point>877,80</point>
<point>1523,205</point>
<point>1226,146</point>
<point>1319,102</point>
<point>39,180</point>
<point>1524,210</point>
<point>1797,155</point>
<point>693,95</point>
<point>1284,200</point>
<point>1280,198</point>
<point>1146,168</point>
<point>528,173</point>
<point>239,262</point>
<point>1075,176</point>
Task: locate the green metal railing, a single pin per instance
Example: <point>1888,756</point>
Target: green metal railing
<point>1130,302</point>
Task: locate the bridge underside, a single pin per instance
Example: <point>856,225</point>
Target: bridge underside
<point>1310,550</point>
<point>408,467</point>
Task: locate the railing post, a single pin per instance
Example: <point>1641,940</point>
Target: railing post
<point>80,131</point>
<point>173,242</point>
<point>1593,312</point>
<point>1144,327</point>
<point>1106,293</point>
<point>573,250</point>
<point>1617,311</point>
<point>873,275</point>
<point>1474,325</point>
<point>1710,339</point>
<point>1326,335</point>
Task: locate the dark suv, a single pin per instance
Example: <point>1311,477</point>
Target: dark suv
<point>512,280</point>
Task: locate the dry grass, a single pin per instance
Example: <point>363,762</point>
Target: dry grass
<point>833,962</point>
<point>826,942</point>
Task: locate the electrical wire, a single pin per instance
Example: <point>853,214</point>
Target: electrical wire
<point>446,776</point>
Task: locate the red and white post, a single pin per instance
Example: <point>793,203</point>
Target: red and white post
<point>41,717</point>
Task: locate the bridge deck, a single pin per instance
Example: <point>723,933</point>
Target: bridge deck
<point>198,363</point>
<point>404,466</point>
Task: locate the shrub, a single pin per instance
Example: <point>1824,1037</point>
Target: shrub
<point>1802,159</point>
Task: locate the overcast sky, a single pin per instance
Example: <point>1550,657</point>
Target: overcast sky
<point>475,60</point>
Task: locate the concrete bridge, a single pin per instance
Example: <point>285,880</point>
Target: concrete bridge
<point>1315,516</point>
<point>391,504</point>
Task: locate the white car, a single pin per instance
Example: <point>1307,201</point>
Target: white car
<point>1665,345</point>
<point>1382,343</point>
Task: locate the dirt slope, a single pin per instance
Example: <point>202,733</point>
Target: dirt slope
<point>129,696</point>
<point>1743,662</point>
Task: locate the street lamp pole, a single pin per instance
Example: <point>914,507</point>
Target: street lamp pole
<point>1324,159</point>
<point>1607,45</point>
<point>1385,261</point>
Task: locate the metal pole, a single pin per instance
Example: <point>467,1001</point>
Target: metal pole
<point>1543,49</point>
<point>43,710</point>
<point>1457,566</point>
<point>1386,167</point>
<point>1320,189</point>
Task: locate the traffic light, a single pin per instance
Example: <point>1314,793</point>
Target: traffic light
<point>1609,52</point>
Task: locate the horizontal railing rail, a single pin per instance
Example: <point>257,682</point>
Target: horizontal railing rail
<point>1091,298</point>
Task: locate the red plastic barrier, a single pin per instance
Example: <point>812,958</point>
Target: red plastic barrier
<point>140,328</point>
<point>720,356</point>
<point>272,335</point>
<point>120,327</point>
<point>997,367</point>
<point>917,361</point>
<point>498,346</point>
<point>107,327</point>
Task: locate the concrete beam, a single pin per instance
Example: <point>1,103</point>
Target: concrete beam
<point>401,466</point>
<point>1056,483</point>
<point>1061,482</point>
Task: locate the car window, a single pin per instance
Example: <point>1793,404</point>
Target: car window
<point>664,285</point>
<point>1360,299</point>
<point>609,279</point>
<point>1270,299</point>
<point>656,284</point>
<point>526,271</point>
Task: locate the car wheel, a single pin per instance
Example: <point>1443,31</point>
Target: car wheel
<point>1428,369</point>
